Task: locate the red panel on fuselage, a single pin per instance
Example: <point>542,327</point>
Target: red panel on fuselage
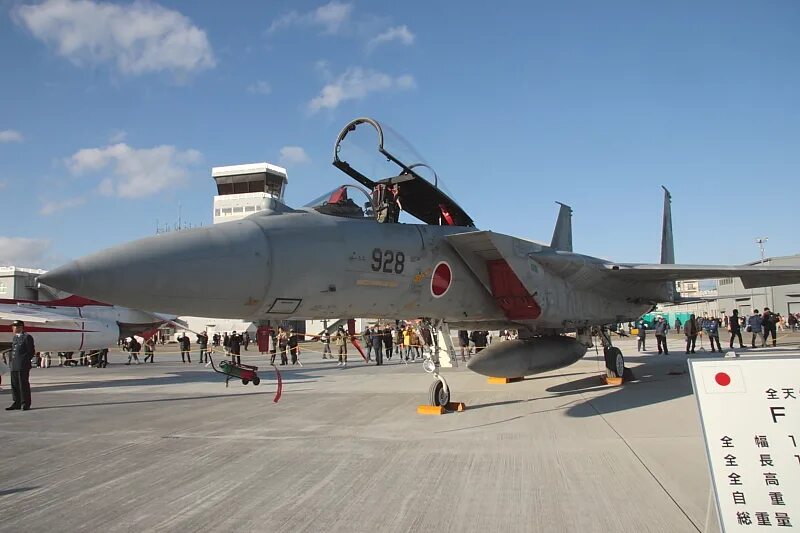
<point>510,294</point>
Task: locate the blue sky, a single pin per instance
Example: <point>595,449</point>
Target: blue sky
<point>112,114</point>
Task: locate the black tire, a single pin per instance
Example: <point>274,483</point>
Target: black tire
<point>256,380</point>
<point>438,395</point>
<point>615,362</point>
<point>244,381</point>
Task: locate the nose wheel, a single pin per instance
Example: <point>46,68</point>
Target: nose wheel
<point>439,394</point>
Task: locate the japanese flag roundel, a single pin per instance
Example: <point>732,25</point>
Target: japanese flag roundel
<point>441,279</point>
<point>723,379</point>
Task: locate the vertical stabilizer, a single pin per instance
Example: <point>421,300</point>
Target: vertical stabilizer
<point>667,246</point>
<point>562,235</point>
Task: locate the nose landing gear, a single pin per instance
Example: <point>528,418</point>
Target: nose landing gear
<point>439,391</point>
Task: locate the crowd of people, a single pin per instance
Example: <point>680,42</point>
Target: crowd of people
<point>761,326</point>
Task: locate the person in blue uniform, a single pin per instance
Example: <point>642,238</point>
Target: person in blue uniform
<point>22,351</point>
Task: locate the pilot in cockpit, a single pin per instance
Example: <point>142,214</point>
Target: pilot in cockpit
<point>387,202</point>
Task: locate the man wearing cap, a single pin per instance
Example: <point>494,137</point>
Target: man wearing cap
<point>22,351</point>
<point>661,335</point>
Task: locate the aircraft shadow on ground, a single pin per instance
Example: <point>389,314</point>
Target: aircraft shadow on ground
<point>178,378</point>
<point>6,492</point>
<point>656,380</point>
<point>269,392</point>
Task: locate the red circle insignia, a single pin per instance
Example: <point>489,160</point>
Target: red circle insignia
<point>722,379</point>
<point>441,279</point>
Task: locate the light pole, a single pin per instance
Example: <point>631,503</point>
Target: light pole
<point>761,241</point>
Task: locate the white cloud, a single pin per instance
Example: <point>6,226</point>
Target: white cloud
<point>3,184</point>
<point>23,252</point>
<point>329,17</point>
<point>259,87</point>
<point>136,172</point>
<point>10,136</point>
<point>356,83</point>
<point>117,136</point>
<point>293,155</point>
<point>137,38</point>
<point>50,207</point>
<point>400,34</point>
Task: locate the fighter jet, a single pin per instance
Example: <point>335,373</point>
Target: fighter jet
<point>75,323</point>
<point>348,254</point>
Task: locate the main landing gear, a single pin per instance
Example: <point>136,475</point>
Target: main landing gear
<point>615,362</point>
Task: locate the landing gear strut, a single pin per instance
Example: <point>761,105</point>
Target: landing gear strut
<point>615,362</point>
<point>439,391</point>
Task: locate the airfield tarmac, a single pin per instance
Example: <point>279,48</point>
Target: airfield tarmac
<point>167,447</point>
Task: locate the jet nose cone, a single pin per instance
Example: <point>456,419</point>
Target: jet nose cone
<point>219,271</point>
<point>66,277</point>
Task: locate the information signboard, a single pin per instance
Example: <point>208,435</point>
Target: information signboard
<point>750,413</point>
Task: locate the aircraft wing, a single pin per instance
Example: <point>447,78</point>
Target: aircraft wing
<point>752,276</point>
<point>36,315</point>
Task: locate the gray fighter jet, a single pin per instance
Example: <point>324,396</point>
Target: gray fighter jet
<point>349,255</point>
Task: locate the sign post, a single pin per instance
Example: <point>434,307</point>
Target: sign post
<point>750,415</point>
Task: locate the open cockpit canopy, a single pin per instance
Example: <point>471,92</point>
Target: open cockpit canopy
<point>395,174</point>
<point>349,201</point>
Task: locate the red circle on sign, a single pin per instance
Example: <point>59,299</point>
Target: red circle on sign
<point>722,379</point>
<point>440,281</point>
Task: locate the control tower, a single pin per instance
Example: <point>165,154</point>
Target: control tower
<point>244,189</point>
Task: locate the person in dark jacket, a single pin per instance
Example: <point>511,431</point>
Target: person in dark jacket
<point>236,348</point>
<point>185,348</point>
<point>754,326</point>
<point>366,338</point>
<point>478,338</point>
<point>463,342</point>
<point>769,322</point>
<point>133,350</point>
<point>641,337</point>
<point>294,349</point>
<point>149,349</point>
<point>712,328</point>
<point>226,344</point>
<point>427,338</point>
<point>377,344</point>
<point>19,363</point>
<point>662,326</point>
<point>388,342</point>
<point>690,330</point>
<point>735,328</point>
<point>202,341</point>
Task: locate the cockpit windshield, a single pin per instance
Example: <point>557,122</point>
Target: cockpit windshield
<point>348,201</point>
<point>398,176</point>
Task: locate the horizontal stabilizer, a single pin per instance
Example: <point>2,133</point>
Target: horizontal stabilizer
<point>562,235</point>
<point>752,276</point>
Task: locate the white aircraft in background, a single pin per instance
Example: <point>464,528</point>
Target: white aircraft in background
<point>75,323</point>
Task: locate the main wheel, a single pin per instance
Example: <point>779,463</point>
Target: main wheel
<point>244,381</point>
<point>438,394</point>
<point>256,380</point>
<point>615,362</point>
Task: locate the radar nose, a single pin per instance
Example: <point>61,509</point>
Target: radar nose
<point>66,277</point>
<point>221,270</point>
